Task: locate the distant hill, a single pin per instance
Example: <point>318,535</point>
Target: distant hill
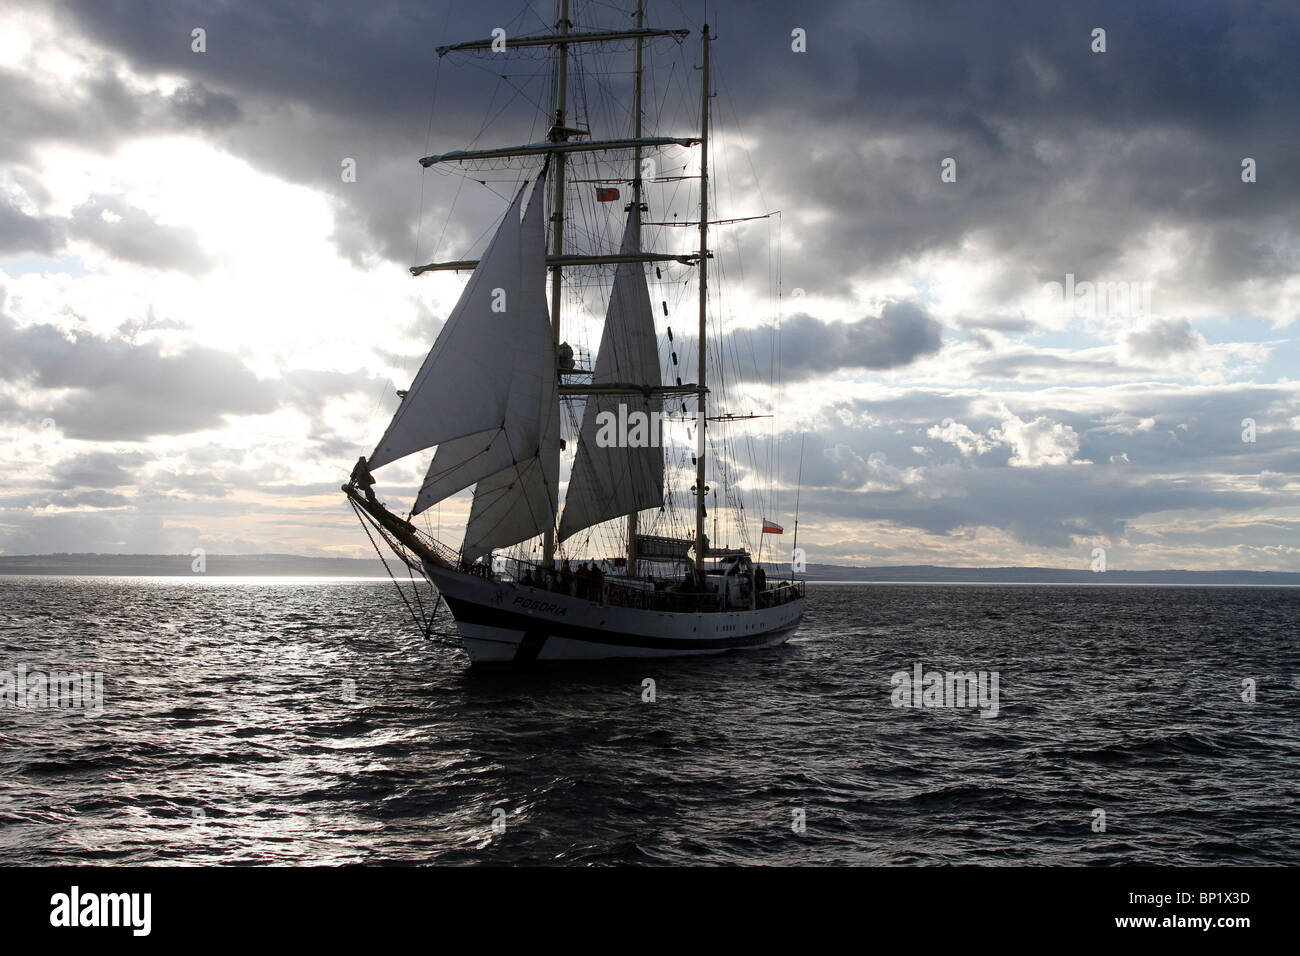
<point>241,565</point>
<point>931,574</point>
<point>291,565</point>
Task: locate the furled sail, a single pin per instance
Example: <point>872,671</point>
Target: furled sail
<point>464,384</point>
<point>619,467</point>
<point>525,327</point>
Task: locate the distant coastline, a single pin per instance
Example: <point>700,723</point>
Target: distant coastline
<point>290,565</point>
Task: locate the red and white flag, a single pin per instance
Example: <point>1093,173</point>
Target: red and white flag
<point>606,194</point>
<point>771,527</point>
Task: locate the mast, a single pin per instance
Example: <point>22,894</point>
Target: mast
<point>560,140</point>
<point>636,205</point>
<point>701,444</point>
<point>559,134</point>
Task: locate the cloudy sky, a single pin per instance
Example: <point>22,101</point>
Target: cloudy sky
<point>202,323</point>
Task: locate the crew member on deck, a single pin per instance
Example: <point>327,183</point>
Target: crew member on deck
<point>363,479</point>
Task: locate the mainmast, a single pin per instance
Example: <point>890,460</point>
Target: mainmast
<point>558,134</point>
<point>636,207</point>
<point>701,490</point>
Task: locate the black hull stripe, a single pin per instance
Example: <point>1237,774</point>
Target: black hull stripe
<point>470,613</point>
<point>531,645</point>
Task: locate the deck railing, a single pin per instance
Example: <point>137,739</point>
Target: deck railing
<point>613,593</point>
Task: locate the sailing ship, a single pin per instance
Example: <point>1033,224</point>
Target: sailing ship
<point>488,398</point>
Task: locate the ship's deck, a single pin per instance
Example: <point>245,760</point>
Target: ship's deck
<point>659,594</point>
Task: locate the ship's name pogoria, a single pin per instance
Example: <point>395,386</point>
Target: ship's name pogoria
<point>528,604</point>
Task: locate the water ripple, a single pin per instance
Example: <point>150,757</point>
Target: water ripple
<point>293,723</point>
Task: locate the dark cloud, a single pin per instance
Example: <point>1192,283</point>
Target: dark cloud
<point>1065,158</point>
<point>98,469</point>
<point>809,347</point>
<point>103,111</point>
<point>76,500</point>
<point>119,391</point>
<point>902,333</point>
<point>132,235</point>
<point>121,230</point>
<point>197,107</point>
<point>20,232</point>
<point>1164,337</point>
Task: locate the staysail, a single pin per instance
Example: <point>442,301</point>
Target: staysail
<point>520,501</point>
<point>620,469</point>
<point>462,389</point>
<point>525,327</point>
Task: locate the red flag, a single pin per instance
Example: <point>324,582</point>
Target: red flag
<point>606,194</point>
<point>771,527</point>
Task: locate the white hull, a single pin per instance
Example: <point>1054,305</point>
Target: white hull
<point>503,622</point>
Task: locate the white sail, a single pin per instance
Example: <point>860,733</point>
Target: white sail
<point>611,479</point>
<point>463,386</point>
<point>520,501</point>
<point>526,328</point>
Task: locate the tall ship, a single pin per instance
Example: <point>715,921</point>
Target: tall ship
<point>622,566</point>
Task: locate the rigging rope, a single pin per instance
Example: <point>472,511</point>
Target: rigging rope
<point>422,621</point>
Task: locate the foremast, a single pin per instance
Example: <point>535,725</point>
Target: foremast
<point>559,142</point>
<point>701,420</point>
<point>559,133</point>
